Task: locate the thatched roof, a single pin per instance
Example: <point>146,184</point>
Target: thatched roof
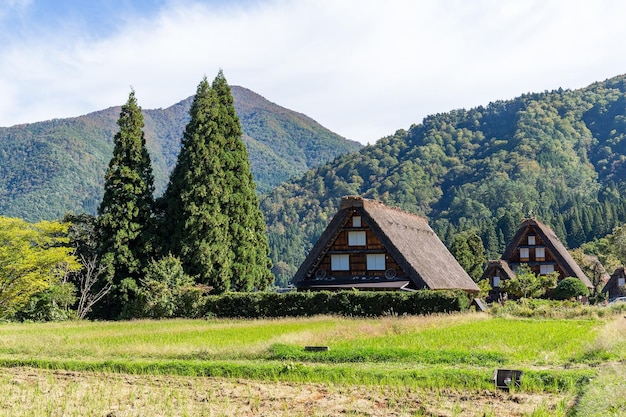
<point>553,243</point>
<point>612,282</point>
<point>407,237</point>
<point>502,268</point>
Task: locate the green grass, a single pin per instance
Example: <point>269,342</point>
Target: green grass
<point>494,342</point>
<point>447,351</point>
<point>165,339</point>
<point>606,395</point>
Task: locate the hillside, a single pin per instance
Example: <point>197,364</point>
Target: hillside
<point>52,167</point>
<point>559,155</point>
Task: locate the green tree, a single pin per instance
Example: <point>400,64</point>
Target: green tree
<point>82,234</point>
<point>251,268</point>
<point>194,226</point>
<point>33,258</point>
<point>469,252</point>
<point>167,291</point>
<point>125,212</point>
<point>527,284</point>
<point>617,240</point>
<point>570,287</point>
<point>52,304</point>
<point>211,217</point>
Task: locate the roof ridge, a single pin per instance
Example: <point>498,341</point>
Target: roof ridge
<point>359,201</point>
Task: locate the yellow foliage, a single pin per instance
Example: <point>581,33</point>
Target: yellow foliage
<point>32,257</point>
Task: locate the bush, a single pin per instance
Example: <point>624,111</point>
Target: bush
<point>552,309</point>
<point>167,291</point>
<point>51,304</point>
<point>570,288</point>
<point>346,303</point>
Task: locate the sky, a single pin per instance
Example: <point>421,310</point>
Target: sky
<point>361,68</point>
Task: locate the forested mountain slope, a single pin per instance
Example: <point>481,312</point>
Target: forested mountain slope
<point>52,167</point>
<point>560,156</point>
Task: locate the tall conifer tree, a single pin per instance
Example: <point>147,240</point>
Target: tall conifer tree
<point>196,228</point>
<point>126,208</point>
<point>251,265</point>
<point>211,219</point>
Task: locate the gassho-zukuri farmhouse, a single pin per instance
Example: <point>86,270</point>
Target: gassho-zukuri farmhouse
<point>371,246</point>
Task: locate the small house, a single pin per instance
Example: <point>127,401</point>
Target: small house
<point>371,246</point>
<point>616,285</point>
<point>537,246</point>
<point>496,272</point>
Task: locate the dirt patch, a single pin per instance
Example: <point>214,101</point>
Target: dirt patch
<point>25,391</point>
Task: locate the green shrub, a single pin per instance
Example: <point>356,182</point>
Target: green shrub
<point>552,309</point>
<point>570,288</point>
<point>346,303</point>
<point>51,304</point>
<point>167,291</point>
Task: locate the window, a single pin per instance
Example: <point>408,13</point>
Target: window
<point>340,262</point>
<point>531,240</point>
<point>546,269</point>
<point>356,221</point>
<point>376,262</point>
<point>523,253</point>
<point>496,282</point>
<point>356,238</point>
<point>620,282</point>
<point>540,253</point>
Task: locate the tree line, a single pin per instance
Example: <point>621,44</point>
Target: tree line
<point>204,234</point>
<point>559,156</point>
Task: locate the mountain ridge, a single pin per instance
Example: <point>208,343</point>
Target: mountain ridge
<point>558,155</point>
<point>52,167</point>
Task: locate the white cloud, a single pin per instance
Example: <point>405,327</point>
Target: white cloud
<point>362,69</point>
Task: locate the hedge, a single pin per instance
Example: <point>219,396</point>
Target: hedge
<point>345,303</point>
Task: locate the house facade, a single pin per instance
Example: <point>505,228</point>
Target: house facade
<point>537,246</point>
<point>371,246</point>
<point>616,285</point>
<point>497,272</point>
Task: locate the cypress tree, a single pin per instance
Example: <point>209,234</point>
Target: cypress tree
<point>492,245</point>
<point>125,212</point>
<point>196,228</point>
<point>251,268</point>
<point>211,218</point>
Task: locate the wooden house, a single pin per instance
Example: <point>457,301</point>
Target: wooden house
<point>370,246</point>
<point>616,285</point>
<point>496,272</point>
<point>537,246</point>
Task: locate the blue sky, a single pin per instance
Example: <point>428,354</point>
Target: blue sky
<point>362,68</point>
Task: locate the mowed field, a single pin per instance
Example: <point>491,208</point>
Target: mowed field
<point>392,366</point>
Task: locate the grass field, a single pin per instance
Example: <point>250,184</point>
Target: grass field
<point>429,366</point>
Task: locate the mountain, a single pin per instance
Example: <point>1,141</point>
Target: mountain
<point>50,168</point>
<point>559,156</point>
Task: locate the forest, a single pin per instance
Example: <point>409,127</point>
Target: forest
<point>558,156</point>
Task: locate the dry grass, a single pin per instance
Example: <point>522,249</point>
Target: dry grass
<point>351,328</point>
<point>205,338</point>
<point>606,395</point>
<point>35,392</point>
<point>613,335</point>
